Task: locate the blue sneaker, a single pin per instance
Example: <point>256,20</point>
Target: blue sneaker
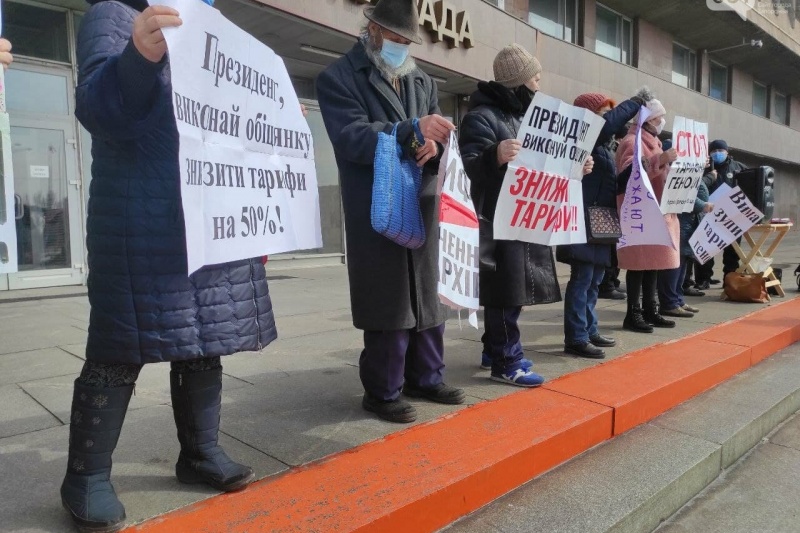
<point>486,362</point>
<point>521,377</point>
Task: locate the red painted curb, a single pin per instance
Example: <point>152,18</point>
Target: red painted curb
<point>427,476</point>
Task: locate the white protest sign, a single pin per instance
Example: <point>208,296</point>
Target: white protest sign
<point>8,223</point>
<point>733,215</point>
<point>640,217</point>
<point>248,181</point>
<point>459,239</point>
<point>541,200</point>
<point>690,140</point>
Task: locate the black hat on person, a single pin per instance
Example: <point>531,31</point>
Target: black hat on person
<point>397,16</point>
<point>719,144</point>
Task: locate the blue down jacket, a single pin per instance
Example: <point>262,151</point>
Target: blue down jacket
<point>144,306</point>
<point>600,186</point>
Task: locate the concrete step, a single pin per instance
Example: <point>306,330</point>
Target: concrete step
<point>634,482</point>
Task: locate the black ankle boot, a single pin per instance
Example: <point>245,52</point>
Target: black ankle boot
<point>96,421</point>
<point>634,320</point>
<point>653,317</point>
<point>196,402</point>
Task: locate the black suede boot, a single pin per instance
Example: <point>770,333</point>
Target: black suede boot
<point>654,318</point>
<point>196,402</point>
<point>634,320</point>
<point>96,421</point>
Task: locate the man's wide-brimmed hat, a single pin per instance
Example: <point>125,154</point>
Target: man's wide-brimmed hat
<point>397,16</point>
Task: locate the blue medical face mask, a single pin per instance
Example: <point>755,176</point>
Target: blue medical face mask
<point>719,157</point>
<point>393,53</point>
<point>209,2</point>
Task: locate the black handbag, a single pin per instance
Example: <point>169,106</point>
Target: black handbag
<point>602,225</point>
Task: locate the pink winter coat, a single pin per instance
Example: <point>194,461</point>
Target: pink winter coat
<point>648,257</point>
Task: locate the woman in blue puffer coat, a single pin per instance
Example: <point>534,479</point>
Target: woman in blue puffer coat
<point>144,306</point>
<point>588,262</point>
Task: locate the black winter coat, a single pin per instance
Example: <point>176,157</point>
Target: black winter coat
<point>600,186</point>
<point>144,306</point>
<point>526,273</point>
<point>391,287</point>
<point>726,172</point>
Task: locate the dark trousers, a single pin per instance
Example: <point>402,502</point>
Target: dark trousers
<point>670,286</point>
<point>730,261</point>
<point>642,288</point>
<point>705,272</point>
<point>692,271</point>
<point>611,276</point>
<point>501,340</point>
<point>390,358</point>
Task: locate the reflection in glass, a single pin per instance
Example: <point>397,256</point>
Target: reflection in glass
<point>36,31</point>
<point>36,92</point>
<point>759,100</point>
<point>40,184</point>
<point>330,203</point>
<point>718,82</point>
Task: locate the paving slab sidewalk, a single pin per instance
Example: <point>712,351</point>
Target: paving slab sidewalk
<point>296,402</point>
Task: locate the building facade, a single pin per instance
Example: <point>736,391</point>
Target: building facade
<point>741,75</point>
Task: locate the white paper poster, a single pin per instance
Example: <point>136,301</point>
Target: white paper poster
<point>248,181</point>
<point>459,240</point>
<point>690,140</point>
<point>541,200</point>
<point>733,215</point>
<point>640,217</point>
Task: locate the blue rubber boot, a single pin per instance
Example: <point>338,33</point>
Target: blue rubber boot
<point>96,421</point>
<point>196,402</point>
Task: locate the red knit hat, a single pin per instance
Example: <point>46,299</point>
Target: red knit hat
<point>593,101</point>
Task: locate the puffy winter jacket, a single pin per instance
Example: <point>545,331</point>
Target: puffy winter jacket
<point>600,186</point>
<point>144,306</point>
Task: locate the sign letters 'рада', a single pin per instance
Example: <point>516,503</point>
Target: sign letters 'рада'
<point>541,200</point>
<point>690,140</point>
<point>248,181</point>
<point>459,238</point>
<point>441,20</point>
<point>640,217</point>
<point>733,215</point>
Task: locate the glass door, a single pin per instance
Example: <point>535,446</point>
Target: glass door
<point>47,186</point>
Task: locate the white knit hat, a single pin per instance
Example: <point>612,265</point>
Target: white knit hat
<point>656,108</point>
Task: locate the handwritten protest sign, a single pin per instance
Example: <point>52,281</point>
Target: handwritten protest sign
<point>690,140</point>
<point>640,217</point>
<point>248,181</point>
<point>459,256</point>
<point>733,215</point>
<point>541,200</point>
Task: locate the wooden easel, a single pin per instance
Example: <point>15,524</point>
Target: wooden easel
<point>756,239</point>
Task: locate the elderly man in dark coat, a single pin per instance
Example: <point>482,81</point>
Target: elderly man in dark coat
<point>145,308</point>
<point>393,290</point>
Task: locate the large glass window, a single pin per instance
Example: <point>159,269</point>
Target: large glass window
<point>760,99</point>
<point>781,112</point>
<point>554,17</point>
<point>36,31</point>
<point>718,82</point>
<point>614,35</point>
<point>684,66</point>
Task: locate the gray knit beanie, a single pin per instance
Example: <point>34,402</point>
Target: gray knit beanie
<point>514,66</point>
